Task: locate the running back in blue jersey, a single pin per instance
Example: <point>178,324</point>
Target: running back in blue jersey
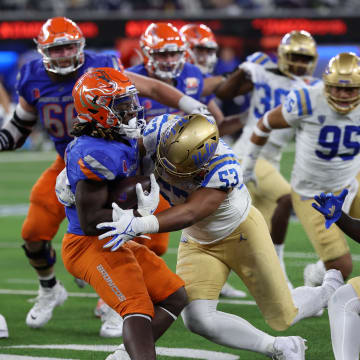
<point>53,100</point>
<point>89,158</point>
<point>190,82</point>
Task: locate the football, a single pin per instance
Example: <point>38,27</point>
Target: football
<point>123,191</point>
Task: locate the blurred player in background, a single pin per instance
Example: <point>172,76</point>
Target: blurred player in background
<point>344,304</point>
<point>44,89</point>
<point>221,231</point>
<point>326,121</point>
<point>135,282</point>
<point>269,84</point>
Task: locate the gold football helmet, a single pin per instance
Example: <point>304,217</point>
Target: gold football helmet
<point>343,71</point>
<point>297,54</point>
<point>187,146</point>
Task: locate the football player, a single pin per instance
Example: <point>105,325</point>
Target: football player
<point>344,304</point>
<point>221,231</point>
<point>269,84</point>
<point>44,89</point>
<point>164,51</point>
<point>326,121</point>
<point>202,51</point>
<point>135,283</point>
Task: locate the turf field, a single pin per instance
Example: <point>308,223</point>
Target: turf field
<point>73,331</point>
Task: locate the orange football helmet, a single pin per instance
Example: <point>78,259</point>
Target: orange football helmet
<point>56,33</point>
<point>107,96</point>
<point>202,46</point>
<point>164,49</point>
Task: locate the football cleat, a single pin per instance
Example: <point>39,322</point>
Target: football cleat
<point>119,354</point>
<point>112,325</point>
<point>46,301</point>
<point>80,283</point>
<point>4,332</point>
<point>231,292</point>
<point>314,274</point>
<point>289,348</point>
<point>101,308</point>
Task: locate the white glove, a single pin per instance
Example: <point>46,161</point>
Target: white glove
<point>249,162</point>
<point>126,227</point>
<point>63,191</point>
<point>148,202</point>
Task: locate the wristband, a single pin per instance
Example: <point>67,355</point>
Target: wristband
<point>147,224</point>
<point>188,104</point>
<point>266,121</point>
<point>260,133</point>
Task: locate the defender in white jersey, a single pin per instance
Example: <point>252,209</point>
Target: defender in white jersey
<point>221,231</point>
<point>344,304</point>
<point>269,83</point>
<point>327,124</point>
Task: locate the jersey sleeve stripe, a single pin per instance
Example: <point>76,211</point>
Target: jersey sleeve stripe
<point>100,168</point>
<point>308,102</point>
<point>298,98</point>
<point>304,102</point>
<point>87,172</point>
<point>216,166</point>
<point>253,58</point>
<point>262,60</point>
<point>218,158</point>
<point>164,119</point>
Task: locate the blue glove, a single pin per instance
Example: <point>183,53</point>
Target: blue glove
<point>330,206</point>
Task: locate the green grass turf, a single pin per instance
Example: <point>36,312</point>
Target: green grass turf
<point>74,322</point>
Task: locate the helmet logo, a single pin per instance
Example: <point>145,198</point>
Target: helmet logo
<point>200,159</point>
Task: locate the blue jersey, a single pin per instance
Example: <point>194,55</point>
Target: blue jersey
<point>53,99</point>
<point>89,158</point>
<point>190,82</point>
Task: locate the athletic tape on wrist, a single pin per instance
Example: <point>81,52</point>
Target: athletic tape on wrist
<point>266,121</point>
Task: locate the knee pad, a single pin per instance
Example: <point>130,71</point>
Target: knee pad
<point>198,317</point>
<point>43,259</point>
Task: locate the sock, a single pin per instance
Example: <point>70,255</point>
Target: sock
<point>202,318</point>
<point>48,281</point>
<point>344,310</point>
<point>279,248</point>
<point>309,301</point>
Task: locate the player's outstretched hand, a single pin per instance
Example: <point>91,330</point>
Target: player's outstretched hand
<point>330,206</point>
<point>148,202</point>
<point>120,231</point>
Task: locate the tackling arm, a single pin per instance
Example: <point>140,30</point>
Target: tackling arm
<point>200,204</point>
<point>165,94</point>
<point>14,133</point>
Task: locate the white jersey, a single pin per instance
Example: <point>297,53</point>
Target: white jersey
<point>327,154</point>
<point>270,90</point>
<point>223,172</point>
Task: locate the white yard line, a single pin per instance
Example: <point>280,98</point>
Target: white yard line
<point>170,352</point>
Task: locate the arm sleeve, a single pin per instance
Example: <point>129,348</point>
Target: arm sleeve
<point>17,129</point>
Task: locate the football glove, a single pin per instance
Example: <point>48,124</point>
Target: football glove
<point>124,228</point>
<point>148,202</point>
<point>63,191</point>
<point>330,206</point>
